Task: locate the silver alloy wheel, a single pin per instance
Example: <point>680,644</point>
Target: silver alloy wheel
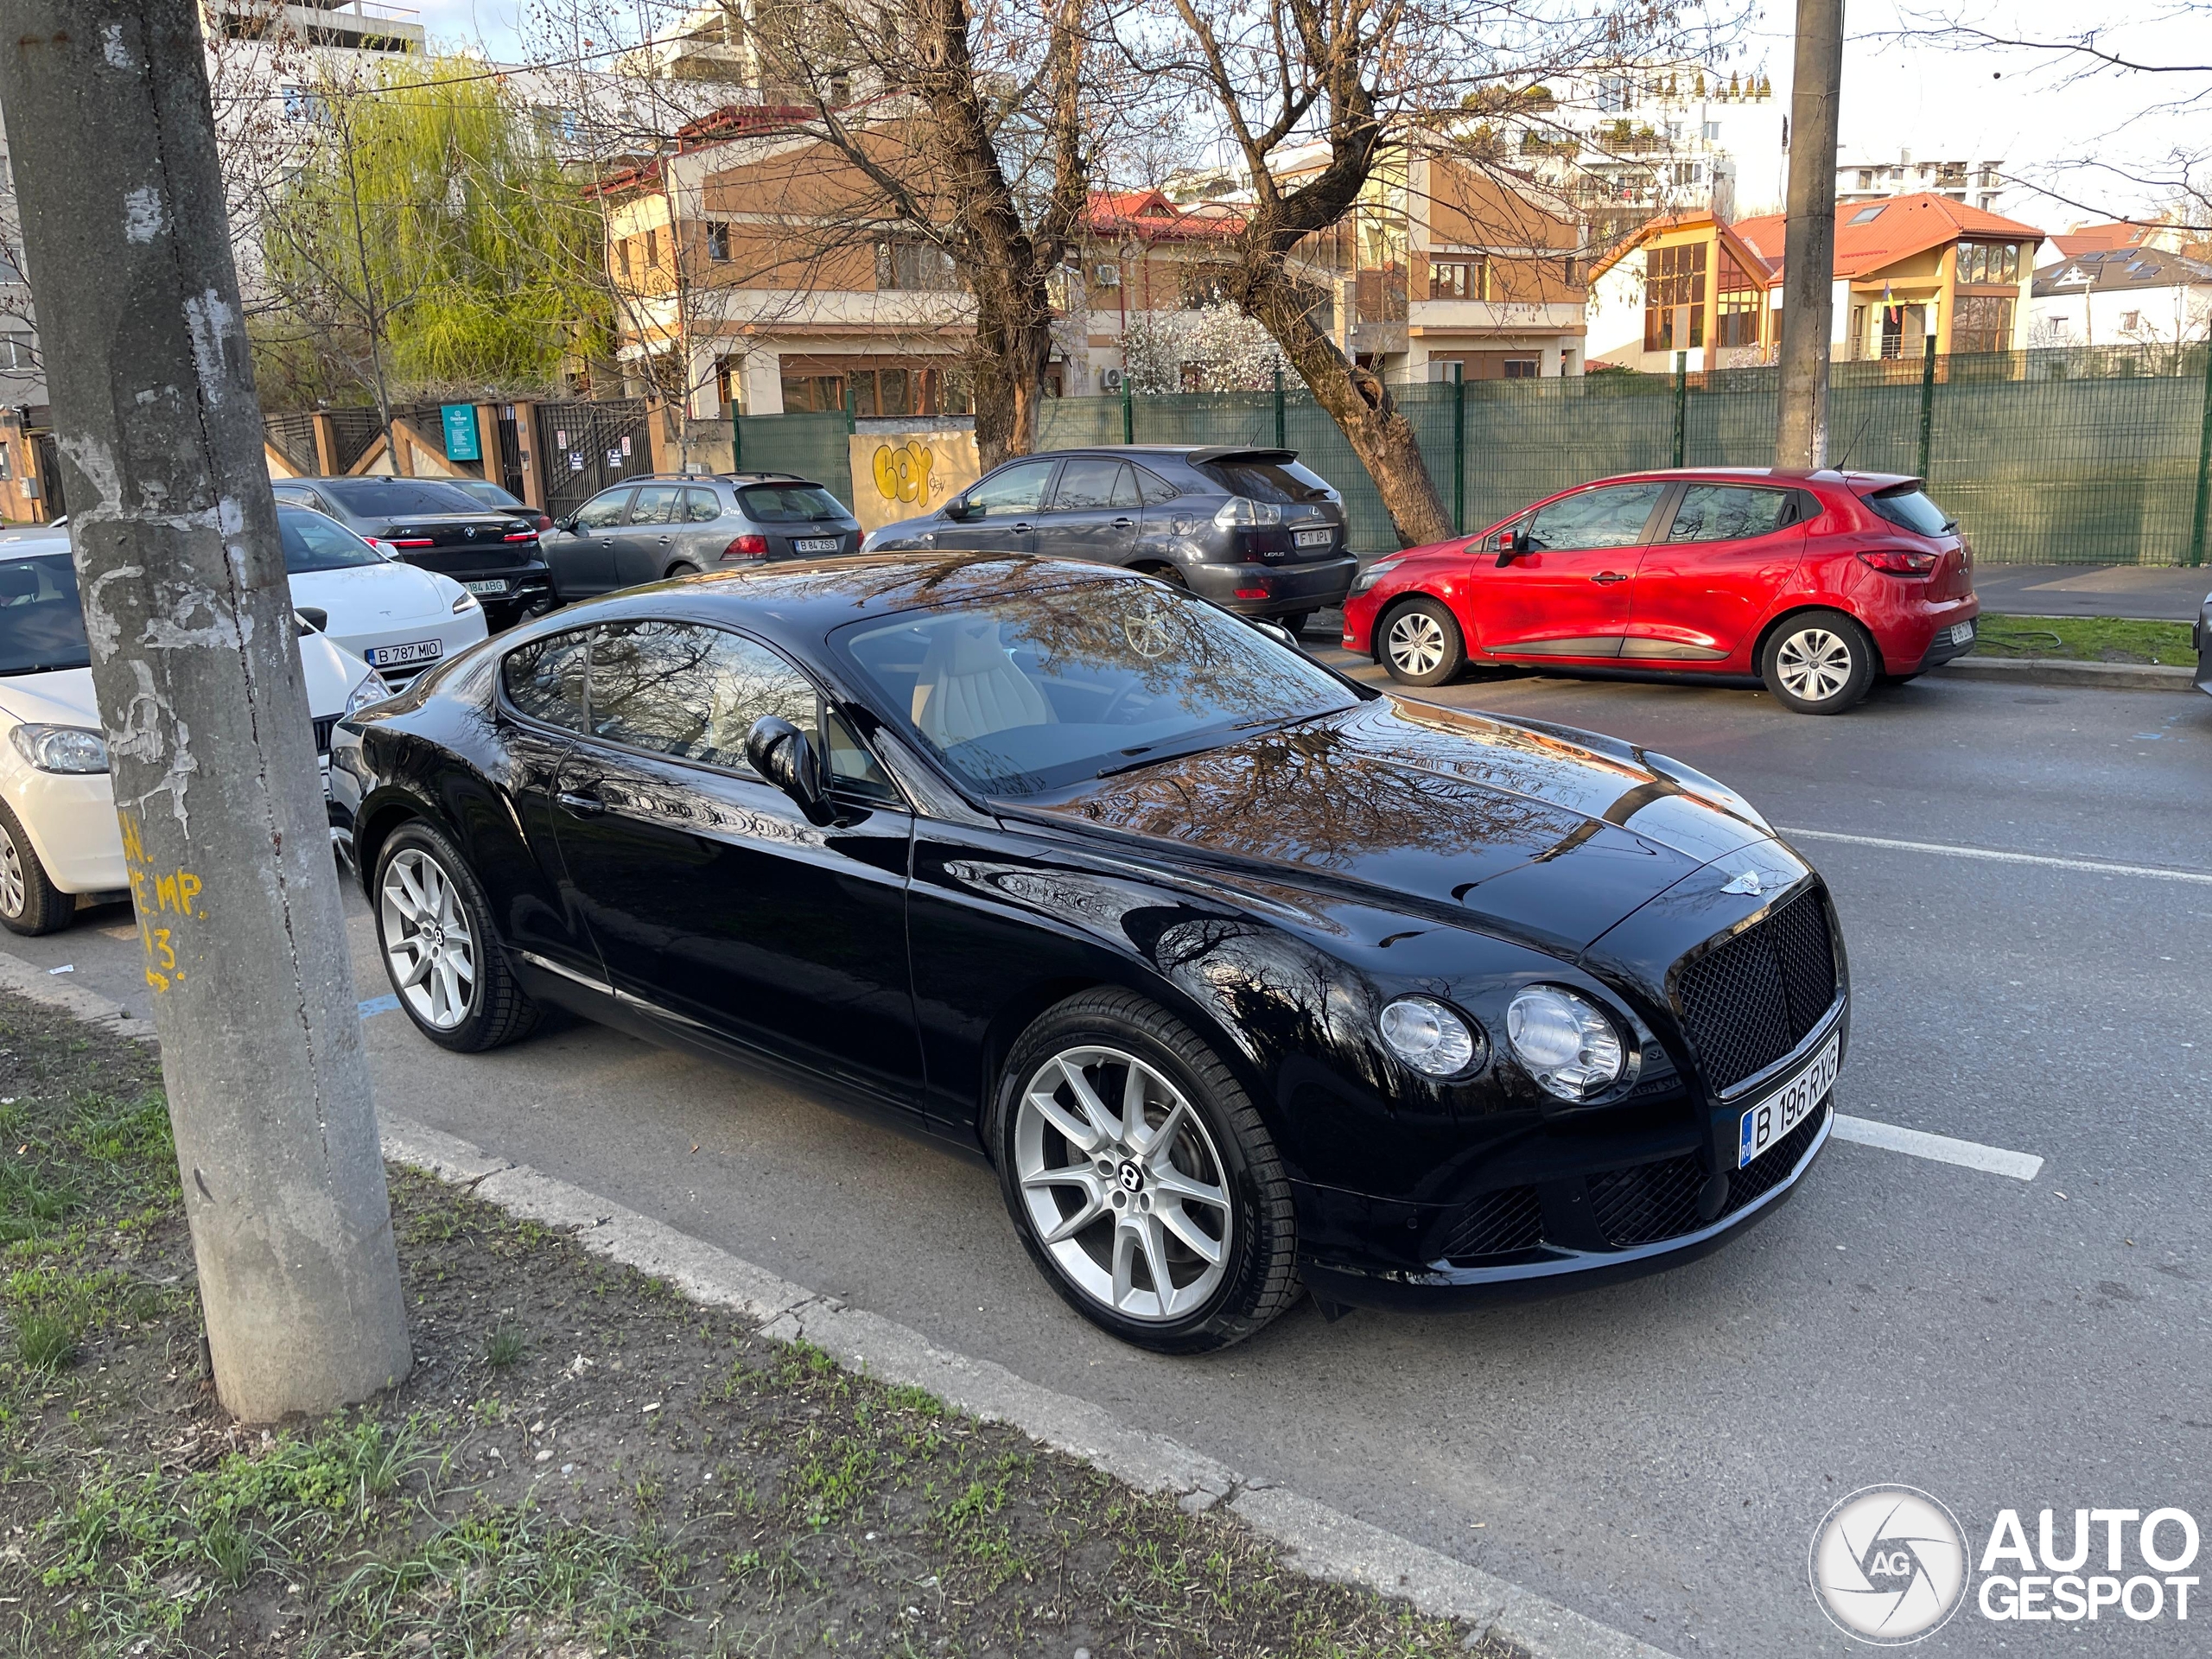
<point>1416,642</point>
<point>427,948</point>
<point>11,875</point>
<point>1814,664</point>
<point>1130,1200</point>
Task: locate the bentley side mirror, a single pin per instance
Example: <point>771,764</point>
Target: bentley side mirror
<point>779,751</point>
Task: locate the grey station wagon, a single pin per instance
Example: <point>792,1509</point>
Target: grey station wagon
<point>646,529</point>
<point>1250,529</point>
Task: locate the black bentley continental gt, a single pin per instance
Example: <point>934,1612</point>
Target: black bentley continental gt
<point>1243,975</point>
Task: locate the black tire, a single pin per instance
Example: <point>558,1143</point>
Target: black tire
<point>1900,679</point>
<point>1258,1265</point>
<point>29,902</point>
<point>497,1010</point>
<point>683,568</point>
<point>1295,622</point>
<point>1419,643</point>
<point>1819,663</point>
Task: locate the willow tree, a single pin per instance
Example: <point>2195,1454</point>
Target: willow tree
<point>429,239</point>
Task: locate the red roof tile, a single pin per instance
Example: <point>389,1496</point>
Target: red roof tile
<point>1905,225</point>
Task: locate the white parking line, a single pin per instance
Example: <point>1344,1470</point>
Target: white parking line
<point>1942,1148</point>
<point>2091,865</point>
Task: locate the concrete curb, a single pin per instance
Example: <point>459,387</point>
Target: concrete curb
<point>2051,670</point>
<point>1316,1539</point>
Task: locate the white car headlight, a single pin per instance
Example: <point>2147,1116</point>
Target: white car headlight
<point>1427,1036</point>
<point>464,603</point>
<point>371,691</point>
<point>1566,1042</point>
<point>61,749</point>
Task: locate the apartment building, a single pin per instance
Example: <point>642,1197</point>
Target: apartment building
<point>1862,178</point>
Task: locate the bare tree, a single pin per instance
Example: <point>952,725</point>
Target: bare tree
<point>1322,98</point>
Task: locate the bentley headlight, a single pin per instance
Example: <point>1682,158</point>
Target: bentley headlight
<point>61,749</point>
<point>1566,1044</point>
<point>1427,1036</point>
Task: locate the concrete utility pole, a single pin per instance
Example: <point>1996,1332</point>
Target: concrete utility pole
<point>1808,240</point>
<point>196,664</point>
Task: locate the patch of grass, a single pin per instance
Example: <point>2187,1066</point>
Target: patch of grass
<point>505,1346</point>
<point>2085,638</point>
<point>44,1342</point>
<point>771,1503</point>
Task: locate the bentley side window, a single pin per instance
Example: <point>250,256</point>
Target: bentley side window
<point>545,678</point>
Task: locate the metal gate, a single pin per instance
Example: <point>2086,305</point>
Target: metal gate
<point>49,474</point>
<point>510,461</point>
<point>583,448</point>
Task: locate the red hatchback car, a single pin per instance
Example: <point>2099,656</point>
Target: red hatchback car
<point>1815,582</point>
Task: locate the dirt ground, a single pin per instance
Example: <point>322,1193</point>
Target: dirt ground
<point>582,1462</point>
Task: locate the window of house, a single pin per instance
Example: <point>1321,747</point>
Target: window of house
<point>622,258</point>
<point>1461,279</point>
<point>1523,368</point>
<point>2127,319</point>
<point>1674,298</point>
<point>1994,262</point>
<point>913,267</point>
<point>7,462</point>
<point>717,239</point>
<point>1201,287</point>
<point>1981,322</point>
<point>1868,215</point>
<point>1570,271</point>
<point>1740,319</point>
<point>653,249</point>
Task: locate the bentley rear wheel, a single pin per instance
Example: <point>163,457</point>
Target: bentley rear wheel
<point>1141,1178</point>
<point>434,925</point>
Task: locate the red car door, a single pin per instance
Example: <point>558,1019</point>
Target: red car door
<point>1566,595</point>
<point>1703,586</point>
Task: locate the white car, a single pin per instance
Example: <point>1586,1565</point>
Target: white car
<point>58,838</point>
<point>399,617</point>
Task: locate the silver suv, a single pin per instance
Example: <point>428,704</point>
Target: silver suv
<point>674,524</point>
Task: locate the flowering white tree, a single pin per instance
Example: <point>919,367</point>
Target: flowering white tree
<point>1207,348</point>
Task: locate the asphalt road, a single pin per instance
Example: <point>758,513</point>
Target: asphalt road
<point>1656,1455</point>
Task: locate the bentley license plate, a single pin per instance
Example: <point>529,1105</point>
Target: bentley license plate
<point>416,650</point>
<point>1312,537</point>
<point>815,544</point>
<point>1790,1105</point>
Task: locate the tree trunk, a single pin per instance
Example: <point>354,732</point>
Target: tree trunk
<point>1355,399</point>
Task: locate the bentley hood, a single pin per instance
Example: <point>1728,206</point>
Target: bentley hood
<point>1533,830</point>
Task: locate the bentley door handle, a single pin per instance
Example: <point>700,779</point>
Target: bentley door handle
<point>583,806</point>
<point>1021,529</point>
<point>1608,576</point>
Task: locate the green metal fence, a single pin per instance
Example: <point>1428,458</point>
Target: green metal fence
<point>2060,457</point>
<point>813,446</point>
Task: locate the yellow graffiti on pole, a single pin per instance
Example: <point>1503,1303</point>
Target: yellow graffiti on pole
<point>903,474</point>
<point>171,896</point>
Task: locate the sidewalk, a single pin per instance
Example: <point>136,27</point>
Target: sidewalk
<point>2157,593</point>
